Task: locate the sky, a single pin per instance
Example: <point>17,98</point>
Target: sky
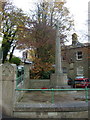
<point>78,9</point>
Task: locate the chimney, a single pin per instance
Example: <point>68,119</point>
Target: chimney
<point>74,39</point>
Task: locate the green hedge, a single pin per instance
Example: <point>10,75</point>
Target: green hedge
<point>16,60</point>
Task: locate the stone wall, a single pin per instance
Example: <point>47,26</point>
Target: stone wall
<point>57,115</point>
<point>24,85</point>
<point>63,80</point>
<point>7,82</point>
<point>48,83</point>
<point>1,89</point>
<point>57,111</point>
<point>8,95</point>
<point>72,63</point>
<point>37,84</point>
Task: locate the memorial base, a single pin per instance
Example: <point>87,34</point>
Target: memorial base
<point>59,81</point>
<point>63,87</point>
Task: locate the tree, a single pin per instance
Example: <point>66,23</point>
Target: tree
<point>49,12</point>
<point>46,16</point>
<point>43,28</point>
<point>13,19</point>
<point>38,32</point>
<point>44,41</point>
<point>42,34</point>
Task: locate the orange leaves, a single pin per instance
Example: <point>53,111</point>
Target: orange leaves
<point>40,68</point>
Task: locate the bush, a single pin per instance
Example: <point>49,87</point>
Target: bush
<point>46,75</point>
<point>16,60</point>
<point>41,70</point>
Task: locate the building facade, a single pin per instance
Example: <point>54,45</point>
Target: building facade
<point>76,60</point>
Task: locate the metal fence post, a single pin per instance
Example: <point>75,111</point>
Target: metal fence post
<point>86,91</point>
<point>52,95</point>
<point>16,77</point>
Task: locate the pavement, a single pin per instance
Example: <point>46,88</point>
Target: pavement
<point>73,100</point>
<point>58,97</point>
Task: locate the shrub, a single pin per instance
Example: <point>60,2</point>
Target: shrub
<point>41,70</point>
<point>16,60</point>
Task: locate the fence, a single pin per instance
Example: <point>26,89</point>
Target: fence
<point>11,91</point>
<point>52,91</point>
<point>20,76</point>
<point>21,79</point>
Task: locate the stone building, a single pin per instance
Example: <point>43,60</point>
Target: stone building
<point>76,59</point>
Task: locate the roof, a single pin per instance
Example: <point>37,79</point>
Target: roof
<point>77,45</point>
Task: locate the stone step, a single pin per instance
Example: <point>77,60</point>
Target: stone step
<point>63,106</point>
<point>65,110</point>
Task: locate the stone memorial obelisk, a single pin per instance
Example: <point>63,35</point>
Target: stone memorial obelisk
<point>58,67</point>
<point>58,80</point>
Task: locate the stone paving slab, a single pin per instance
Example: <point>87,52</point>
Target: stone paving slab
<point>64,101</point>
<point>73,106</point>
<point>44,105</point>
<point>46,97</point>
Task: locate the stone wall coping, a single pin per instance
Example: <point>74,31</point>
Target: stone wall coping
<point>80,106</point>
<point>40,80</point>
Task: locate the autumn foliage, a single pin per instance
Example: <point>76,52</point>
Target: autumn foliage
<point>41,70</point>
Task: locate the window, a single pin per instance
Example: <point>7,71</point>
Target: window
<point>80,71</point>
<point>64,70</point>
<point>64,57</point>
<point>79,55</point>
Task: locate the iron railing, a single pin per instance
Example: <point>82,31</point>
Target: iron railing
<point>53,90</point>
<point>20,79</point>
<point>19,76</point>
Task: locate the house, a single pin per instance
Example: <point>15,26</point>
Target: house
<point>76,59</point>
<point>28,55</point>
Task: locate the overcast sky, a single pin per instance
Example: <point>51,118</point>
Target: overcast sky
<point>78,8</point>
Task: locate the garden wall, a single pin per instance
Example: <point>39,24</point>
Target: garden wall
<point>39,83</point>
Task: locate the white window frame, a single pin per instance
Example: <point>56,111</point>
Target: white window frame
<point>80,71</point>
<point>77,56</point>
